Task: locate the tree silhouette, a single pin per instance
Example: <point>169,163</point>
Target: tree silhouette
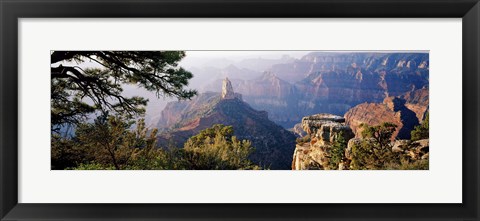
<point>77,92</point>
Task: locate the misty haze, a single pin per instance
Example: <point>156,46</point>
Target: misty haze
<point>230,110</point>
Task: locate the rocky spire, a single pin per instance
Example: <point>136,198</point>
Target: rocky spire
<point>227,89</point>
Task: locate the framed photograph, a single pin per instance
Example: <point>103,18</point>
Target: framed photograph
<point>228,110</point>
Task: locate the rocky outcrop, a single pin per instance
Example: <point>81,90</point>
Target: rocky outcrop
<point>269,93</point>
<point>298,130</point>
<point>273,144</point>
<point>227,89</point>
<point>311,124</point>
<point>323,130</point>
<point>393,110</point>
<point>415,150</point>
<point>418,102</point>
<point>175,111</point>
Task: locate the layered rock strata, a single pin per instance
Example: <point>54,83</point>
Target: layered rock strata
<point>323,130</point>
<point>273,144</point>
<point>333,83</point>
<point>393,110</point>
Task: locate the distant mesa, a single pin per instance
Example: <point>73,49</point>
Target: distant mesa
<point>331,83</point>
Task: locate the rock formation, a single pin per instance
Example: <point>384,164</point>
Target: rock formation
<point>298,130</point>
<point>177,110</point>
<point>269,93</point>
<point>227,89</point>
<point>323,130</point>
<point>333,83</point>
<point>273,144</point>
<point>418,102</point>
<point>392,110</point>
<point>415,150</point>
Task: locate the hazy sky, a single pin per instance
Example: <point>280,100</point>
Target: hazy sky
<point>238,55</point>
<point>200,58</point>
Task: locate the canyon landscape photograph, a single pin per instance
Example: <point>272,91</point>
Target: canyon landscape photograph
<point>239,110</point>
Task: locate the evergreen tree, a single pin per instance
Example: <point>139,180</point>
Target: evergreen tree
<point>111,142</point>
<point>77,92</point>
<point>421,131</point>
<point>337,152</point>
<point>217,148</point>
<point>374,152</point>
<point>381,133</point>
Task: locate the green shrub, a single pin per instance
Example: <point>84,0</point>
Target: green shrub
<point>337,152</point>
<point>421,131</point>
<point>94,166</point>
<point>109,143</point>
<point>375,151</point>
<point>217,148</point>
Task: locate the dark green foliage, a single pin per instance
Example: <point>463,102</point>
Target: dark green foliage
<point>408,164</point>
<point>106,143</point>
<point>208,134</point>
<point>77,92</point>
<point>217,148</point>
<point>421,131</point>
<point>94,166</point>
<point>109,143</point>
<point>369,155</point>
<point>381,133</point>
<point>337,152</point>
<point>375,151</point>
<point>66,153</point>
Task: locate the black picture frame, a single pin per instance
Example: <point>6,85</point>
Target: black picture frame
<point>12,10</point>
